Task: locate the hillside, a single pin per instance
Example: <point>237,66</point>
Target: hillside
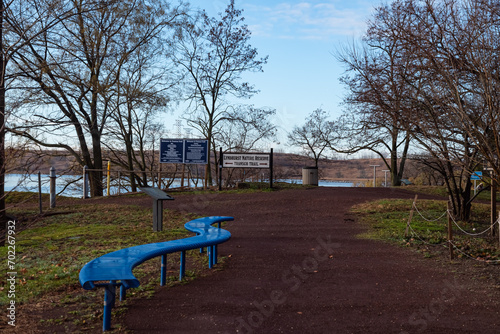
<point>349,169</point>
<point>286,165</point>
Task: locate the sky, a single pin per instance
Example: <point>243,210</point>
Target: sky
<point>300,38</point>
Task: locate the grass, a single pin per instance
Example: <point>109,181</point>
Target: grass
<point>387,220</point>
<point>443,192</point>
<point>50,250</point>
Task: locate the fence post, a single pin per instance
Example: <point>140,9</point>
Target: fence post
<point>119,182</point>
<point>408,223</point>
<point>108,179</point>
<point>85,183</point>
<point>450,232</point>
<point>40,191</point>
<point>493,204</point>
<point>52,187</point>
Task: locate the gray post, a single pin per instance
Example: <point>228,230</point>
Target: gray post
<point>374,174</point>
<point>385,175</point>
<point>40,191</point>
<point>52,187</point>
<point>157,215</point>
<point>85,183</point>
<point>119,181</point>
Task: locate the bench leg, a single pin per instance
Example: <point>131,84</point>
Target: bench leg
<point>210,254</point>
<point>215,254</point>
<point>163,278</point>
<point>123,292</point>
<point>182,270</point>
<point>109,302</point>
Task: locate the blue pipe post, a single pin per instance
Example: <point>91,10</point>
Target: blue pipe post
<point>182,270</point>
<point>163,278</point>
<point>123,292</point>
<point>210,252</point>
<point>109,303</point>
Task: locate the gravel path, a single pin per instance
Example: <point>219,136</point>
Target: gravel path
<point>295,265</point>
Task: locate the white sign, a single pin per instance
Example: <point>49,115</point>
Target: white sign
<point>232,160</point>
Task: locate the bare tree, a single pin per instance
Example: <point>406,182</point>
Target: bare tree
<point>315,136</point>
<point>245,128</point>
<point>143,92</point>
<point>19,25</point>
<point>375,117</point>
<point>451,79</point>
<point>215,52</point>
<point>71,71</point>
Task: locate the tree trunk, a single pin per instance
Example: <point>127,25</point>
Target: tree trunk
<point>96,186</point>
<point>3,214</point>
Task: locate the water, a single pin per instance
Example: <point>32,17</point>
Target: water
<point>30,183</point>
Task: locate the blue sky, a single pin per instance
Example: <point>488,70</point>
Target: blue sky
<point>300,38</point>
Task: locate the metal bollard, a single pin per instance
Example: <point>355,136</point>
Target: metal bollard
<point>52,187</point>
<point>85,183</point>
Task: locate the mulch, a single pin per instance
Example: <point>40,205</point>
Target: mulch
<point>294,264</point>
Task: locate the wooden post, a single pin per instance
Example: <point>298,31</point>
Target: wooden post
<point>119,182</point>
<point>271,169</point>
<point>493,204</point>
<point>450,232</point>
<point>108,179</point>
<point>205,181</point>
<point>411,216</point>
<point>52,187</point>
<point>221,160</point>
<point>182,175</point>
<point>40,192</point>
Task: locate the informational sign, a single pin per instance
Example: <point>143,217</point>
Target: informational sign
<point>236,160</point>
<point>476,176</point>
<point>171,151</point>
<point>184,151</point>
<point>195,151</point>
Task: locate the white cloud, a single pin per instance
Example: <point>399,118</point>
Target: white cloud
<point>306,20</point>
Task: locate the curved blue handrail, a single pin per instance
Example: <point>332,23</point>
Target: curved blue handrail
<point>118,265</point>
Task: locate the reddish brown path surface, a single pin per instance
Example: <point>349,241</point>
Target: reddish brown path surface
<point>296,266</point>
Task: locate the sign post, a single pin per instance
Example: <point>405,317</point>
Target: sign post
<point>475,177</point>
<point>246,160</point>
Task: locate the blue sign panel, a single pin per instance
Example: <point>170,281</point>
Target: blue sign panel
<point>171,151</point>
<point>476,176</point>
<point>195,151</point>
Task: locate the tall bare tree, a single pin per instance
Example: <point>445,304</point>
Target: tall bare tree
<point>19,25</point>
<point>215,52</point>
<point>71,71</point>
<point>451,80</point>
<point>143,92</point>
<point>315,136</point>
<point>375,119</point>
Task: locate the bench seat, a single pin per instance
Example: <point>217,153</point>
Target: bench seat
<point>115,268</point>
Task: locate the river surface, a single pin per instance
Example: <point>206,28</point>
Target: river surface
<point>19,182</point>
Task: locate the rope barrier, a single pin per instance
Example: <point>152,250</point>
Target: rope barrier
<point>472,234</point>
<point>422,240</point>
<point>428,220</point>
<point>415,234</point>
<point>470,257</point>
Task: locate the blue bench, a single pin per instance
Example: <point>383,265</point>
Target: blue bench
<point>115,269</point>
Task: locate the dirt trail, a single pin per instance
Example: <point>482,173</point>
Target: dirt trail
<point>296,266</point>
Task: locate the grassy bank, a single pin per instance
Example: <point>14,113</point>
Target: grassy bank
<point>51,249</point>
<point>428,233</point>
